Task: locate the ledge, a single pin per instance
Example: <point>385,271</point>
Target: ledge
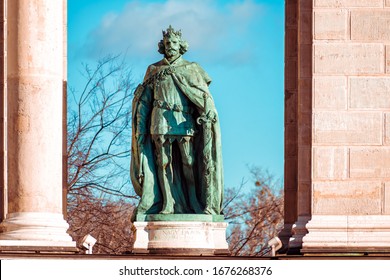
<point>179,218</point>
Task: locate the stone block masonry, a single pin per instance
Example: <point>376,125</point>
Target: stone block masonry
<point>330,92</point>
<point>348,58</point>
<point>347,128</point>
<point>367,163</point>
<point>387,198</point>
<point>347,198</point>
<point>387,128</point>
<point>331,24</point>
<point>351,90</point>
<point>370,93</point>
<point>348,3</point>
<point>330,163</point>
<point>344,58</point>
<point>388,59</point>
<point>370,25</point>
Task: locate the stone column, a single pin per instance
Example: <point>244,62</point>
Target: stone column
<point>298,122</point>
<point>290,120</point>
<point>304,122</point>
<point>34,131</point>
<point>3,111</point>
<point>64,109</point>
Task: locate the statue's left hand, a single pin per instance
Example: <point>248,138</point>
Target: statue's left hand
<point>212,115</point>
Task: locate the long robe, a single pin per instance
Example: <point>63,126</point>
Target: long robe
<point>193,82</point>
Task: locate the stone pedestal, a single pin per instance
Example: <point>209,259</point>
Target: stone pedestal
<point>183,234</point>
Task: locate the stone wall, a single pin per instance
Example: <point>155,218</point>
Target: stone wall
<point>340,148</point>
<point>351,107</point>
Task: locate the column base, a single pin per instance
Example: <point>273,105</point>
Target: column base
<point>347,234</point>
<point>180,237</point>
<point>299,230</point>
<point>34,231</point>
<point>284,236</point>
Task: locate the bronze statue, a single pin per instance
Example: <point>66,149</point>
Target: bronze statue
<point>176,164</point>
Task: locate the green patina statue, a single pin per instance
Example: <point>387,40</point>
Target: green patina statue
<point>176,164</point>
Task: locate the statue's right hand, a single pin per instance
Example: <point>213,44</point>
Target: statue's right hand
<point>140,139</point>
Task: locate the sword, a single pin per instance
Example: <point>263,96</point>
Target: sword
<point>206,120</point>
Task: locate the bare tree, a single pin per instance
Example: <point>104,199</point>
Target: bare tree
<point>99,130</point>
<point>255,216</point>
<point>107,221</point>
<point>100,195</point>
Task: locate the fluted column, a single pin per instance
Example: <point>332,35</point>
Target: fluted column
<point>35,75</point>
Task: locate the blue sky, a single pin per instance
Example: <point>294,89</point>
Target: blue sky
<point>239,43</point>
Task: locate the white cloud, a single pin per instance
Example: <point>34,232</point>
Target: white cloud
<point>208,26</point>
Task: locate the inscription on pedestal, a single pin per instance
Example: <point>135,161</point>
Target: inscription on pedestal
<point>178,234</point>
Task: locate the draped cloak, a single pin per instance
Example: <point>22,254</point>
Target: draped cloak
<point>193,82</point>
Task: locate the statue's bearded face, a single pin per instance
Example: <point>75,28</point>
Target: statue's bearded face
<point>172,46</point>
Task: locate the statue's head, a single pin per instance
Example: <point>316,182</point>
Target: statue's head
<point>172,44</point>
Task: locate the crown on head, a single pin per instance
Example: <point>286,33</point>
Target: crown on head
<point>170,31</point>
